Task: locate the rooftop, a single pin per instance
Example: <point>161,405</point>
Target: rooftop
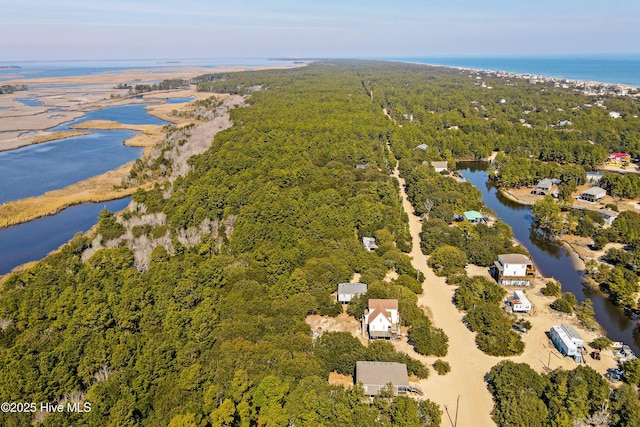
<point>438,165</point>
<point>595,191</point>
<point>514,259</point>
<point>352,288</point>
<point>381,373</point>
<point>473,215</point>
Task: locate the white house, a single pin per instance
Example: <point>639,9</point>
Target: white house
<point>348,291</point>
<point>369,243</point>
<point>381,319</point>
<point>520,303</point>
<point>514,269</point>
<point>440,166</point>
<point>567,340</point>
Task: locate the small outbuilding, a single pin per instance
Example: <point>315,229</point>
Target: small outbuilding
<point>376,375</point>
<point>593,194</point>
<point>348,291</point>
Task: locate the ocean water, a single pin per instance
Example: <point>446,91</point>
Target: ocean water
<point>614,69</point>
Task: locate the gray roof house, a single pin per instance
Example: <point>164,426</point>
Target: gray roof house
<point>347,291</point>
<point>545,187</point>
<point>375,375</point>
<point>593,194</point>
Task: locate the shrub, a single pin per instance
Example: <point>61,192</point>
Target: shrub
<point>441,367</point>
<point>565,304</point>
<point>447,258</point>
<point>552,289</point>
<point>602,343</point>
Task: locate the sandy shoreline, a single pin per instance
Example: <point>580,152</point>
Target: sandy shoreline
<point>527,76</point>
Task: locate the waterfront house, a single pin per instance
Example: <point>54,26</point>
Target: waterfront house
<point>567,340</point>
<point>374,376</point>
<point>474,217</point>
<point>369,243</point>
<point>608,215</point>
<point>544,187</point>
<point>381,319</point>
<point>440,166</point>
<point>593,194</point>
<point>619,159</point>
<point>514,269</point>
<point>348,291</point>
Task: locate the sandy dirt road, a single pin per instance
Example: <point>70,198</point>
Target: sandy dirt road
<point>469,365</point>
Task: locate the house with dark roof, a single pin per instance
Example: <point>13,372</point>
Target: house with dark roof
<point>381,320</point>
<point>374,376</point>
<point>514,269</point>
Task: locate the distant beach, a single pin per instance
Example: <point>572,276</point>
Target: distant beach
<point>607,69</point>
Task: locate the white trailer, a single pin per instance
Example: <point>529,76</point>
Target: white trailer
<point>520,303</point>
<point>567,340</point>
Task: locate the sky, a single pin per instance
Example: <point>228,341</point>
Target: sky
<point>151,29</point>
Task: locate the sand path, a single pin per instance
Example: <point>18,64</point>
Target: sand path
<point>468,364</point>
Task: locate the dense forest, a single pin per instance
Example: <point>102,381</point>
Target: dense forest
<point>212,332</point>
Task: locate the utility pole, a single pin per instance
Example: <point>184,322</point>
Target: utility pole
<point>453,423</point>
